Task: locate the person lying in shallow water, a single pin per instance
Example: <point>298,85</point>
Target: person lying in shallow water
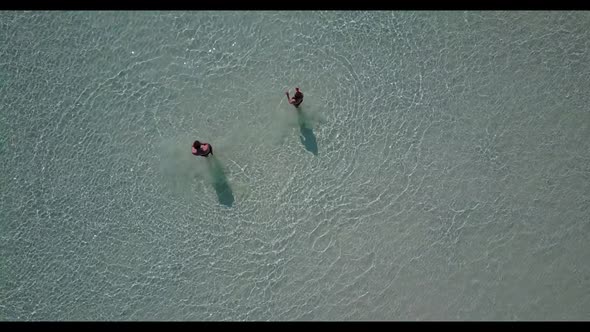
<point>201,149</point>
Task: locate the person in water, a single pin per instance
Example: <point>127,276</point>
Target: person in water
<point>297,98</point>
<point>202,149</point>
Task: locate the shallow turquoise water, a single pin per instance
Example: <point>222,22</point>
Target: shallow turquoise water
<point>438,169</point>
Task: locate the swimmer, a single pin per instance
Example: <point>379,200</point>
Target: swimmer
<point>297,98</point>
<point>202,149</point>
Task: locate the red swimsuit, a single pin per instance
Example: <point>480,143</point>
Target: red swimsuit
<point>202,153</point>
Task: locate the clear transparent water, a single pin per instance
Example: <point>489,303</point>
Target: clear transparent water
<point>439,167</point>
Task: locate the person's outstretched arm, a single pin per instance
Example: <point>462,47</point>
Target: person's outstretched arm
<point>289,98</point>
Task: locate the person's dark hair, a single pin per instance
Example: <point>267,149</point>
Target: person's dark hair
<point>197,145</point>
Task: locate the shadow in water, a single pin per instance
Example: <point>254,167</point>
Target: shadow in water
<point>306,134</point>
<point>222,188</point>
